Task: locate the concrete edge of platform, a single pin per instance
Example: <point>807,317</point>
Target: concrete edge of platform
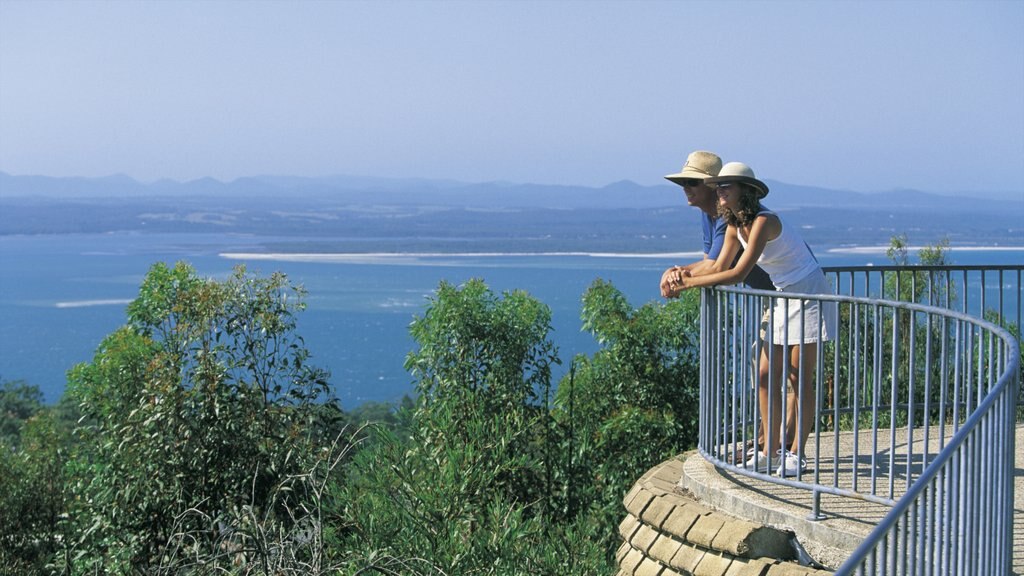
<point>829,541</point>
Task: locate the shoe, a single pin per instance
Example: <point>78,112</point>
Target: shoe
<point>762,461</point>
<point>790,464</point>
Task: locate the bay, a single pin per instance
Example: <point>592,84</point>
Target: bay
<point>61,294</point>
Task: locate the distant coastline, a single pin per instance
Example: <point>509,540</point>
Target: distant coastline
<point>884,249</point>
<point>419,257</point>
<point>422,217</point>
<point>416,257</point>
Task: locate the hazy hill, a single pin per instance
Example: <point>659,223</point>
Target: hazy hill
<point>366,214</point>
<point>402,192</point>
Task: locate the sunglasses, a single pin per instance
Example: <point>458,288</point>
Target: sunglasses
<point>722,185</point>
<point>691,182</point>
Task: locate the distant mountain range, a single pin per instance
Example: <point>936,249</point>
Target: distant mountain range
<point>354,190</point>
<point>353,214</point>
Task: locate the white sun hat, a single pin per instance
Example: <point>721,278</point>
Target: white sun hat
<point>740,172</point>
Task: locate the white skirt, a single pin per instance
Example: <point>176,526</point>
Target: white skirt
<point>794,320</point>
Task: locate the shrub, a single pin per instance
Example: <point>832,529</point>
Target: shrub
<point>198,417</point>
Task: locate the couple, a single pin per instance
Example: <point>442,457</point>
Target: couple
<point>745,242</point>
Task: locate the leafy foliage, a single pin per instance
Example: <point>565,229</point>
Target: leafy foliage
<point>634,403</point>
<point>196,417</point>
<point>483,373</point>
<point>18,402</point>
<point>31,494</point>
<point>917,285</point>
<point>469,489</point>
<point>910,336</point>
<point>33,451</point>
<point>206,441</point>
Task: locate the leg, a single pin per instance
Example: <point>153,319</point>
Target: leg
<point>769,398</point>
<point>789,431</point>
<point>801,421</point>
<point>792,397</point>
<point>792,413</point>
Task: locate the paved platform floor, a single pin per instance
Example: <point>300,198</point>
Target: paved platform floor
<point>845,521</point>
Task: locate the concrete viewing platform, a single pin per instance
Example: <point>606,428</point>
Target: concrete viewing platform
<point>690,482</point>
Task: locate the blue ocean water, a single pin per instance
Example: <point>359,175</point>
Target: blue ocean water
<point>61,294</point>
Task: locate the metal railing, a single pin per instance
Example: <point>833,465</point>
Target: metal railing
<point>990,292</point>
<point>908,406</point>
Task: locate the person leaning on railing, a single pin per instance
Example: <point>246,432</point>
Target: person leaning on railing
<point>791,265</point>
<point>701,165</point>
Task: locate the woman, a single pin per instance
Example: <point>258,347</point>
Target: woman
<point>791,265</point>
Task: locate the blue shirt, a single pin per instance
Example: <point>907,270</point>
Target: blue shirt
<point>714,235</point>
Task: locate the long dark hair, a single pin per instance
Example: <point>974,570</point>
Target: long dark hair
<point>750,205</point>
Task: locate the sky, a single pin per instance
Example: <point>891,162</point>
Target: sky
<point>867,96</point>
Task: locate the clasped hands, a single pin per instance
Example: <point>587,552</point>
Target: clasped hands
<point>673,281</point>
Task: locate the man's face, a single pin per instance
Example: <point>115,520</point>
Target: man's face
<point>697,192</point>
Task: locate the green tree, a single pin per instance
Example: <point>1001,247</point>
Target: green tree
<point>634,403</point>
<point>34,442</point>
<point>469,489</point>
<point>894,330</point>
<point>484,360</point>
<point>19,401</point>
<point>31,494</point>
<point>198,418</point>
<point>920,286</point>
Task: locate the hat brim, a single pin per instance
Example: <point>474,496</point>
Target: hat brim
<point>687,175</point>
<point>762,188</point>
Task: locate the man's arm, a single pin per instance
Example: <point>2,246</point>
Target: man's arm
<point>701,267</point>
<point>714,240</point>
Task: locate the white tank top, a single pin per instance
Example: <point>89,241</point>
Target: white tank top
<point>786,258</point>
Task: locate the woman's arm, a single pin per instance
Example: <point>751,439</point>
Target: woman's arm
<point>765,228</point>
<point>727,255</point>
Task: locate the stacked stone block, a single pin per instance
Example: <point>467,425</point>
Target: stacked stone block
<point>667,533</point>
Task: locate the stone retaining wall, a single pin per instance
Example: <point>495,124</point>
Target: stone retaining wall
<point>667,533</point>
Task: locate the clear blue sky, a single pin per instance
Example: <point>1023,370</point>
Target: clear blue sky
<point>866,96</point>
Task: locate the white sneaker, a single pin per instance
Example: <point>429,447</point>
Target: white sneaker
<point>762,461</point>
<point>790,464</point>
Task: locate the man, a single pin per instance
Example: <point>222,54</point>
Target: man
<point>699,166</point>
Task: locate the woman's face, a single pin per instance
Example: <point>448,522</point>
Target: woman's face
<point>729,194</point>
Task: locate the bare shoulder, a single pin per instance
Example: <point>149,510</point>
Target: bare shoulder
<point>769,223</point>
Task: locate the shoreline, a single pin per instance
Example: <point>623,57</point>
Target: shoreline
<point>399,257</point>
<point>883,249</point>
<point>370,257</point>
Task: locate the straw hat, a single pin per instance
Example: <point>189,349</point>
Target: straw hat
<point>699,165</point>
<point>739,172</point>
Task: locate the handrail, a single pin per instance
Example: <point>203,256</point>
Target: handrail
<point>981,290</point>
<point>918,401</point>
<point>944,538</point>
<point>994,292</point>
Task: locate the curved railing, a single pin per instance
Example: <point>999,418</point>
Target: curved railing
<point>915,406</point>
